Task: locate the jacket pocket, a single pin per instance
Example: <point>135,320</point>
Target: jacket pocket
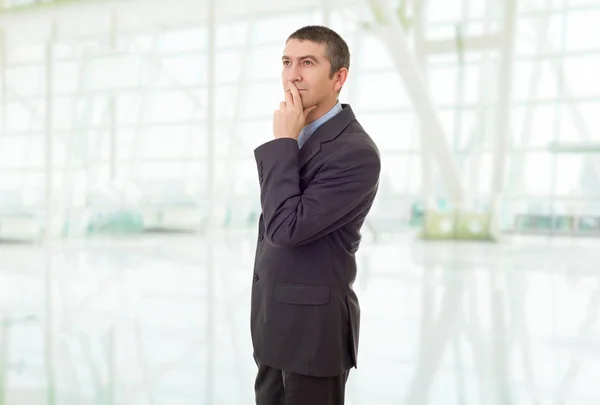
<point>302,294</point>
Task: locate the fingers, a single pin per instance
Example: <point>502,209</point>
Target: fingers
<point>295,94</point>
<point>282,105</point>
<point>288,99</point>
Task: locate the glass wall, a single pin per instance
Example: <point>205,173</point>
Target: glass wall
<point>115,104</point>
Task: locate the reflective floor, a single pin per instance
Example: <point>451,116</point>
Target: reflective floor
<point>165,320</point>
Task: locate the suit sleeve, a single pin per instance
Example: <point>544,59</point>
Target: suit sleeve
<point>292,217</point>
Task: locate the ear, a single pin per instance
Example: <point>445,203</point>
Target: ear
<point>339,79</point>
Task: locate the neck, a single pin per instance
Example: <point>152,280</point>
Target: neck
<point>322,109</point>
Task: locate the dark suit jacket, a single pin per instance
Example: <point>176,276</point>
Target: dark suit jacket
<point>305,315</point>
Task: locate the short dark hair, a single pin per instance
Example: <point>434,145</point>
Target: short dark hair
<point>336,49</point>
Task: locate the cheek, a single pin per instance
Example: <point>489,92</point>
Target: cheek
<point>325,83</point>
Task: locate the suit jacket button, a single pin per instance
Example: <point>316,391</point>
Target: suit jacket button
<point>255,277</point>
<point>261,237</point>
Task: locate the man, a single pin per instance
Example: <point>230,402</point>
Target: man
<point>318,179</point>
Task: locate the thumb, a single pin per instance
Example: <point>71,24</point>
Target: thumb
<point>309,109</point>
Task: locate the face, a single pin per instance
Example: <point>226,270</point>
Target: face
<point>304,63</point>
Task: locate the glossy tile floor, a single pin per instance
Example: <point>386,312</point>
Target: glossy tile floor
<point>164,320</point>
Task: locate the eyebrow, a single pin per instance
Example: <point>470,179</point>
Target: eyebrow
<point>285,57</point>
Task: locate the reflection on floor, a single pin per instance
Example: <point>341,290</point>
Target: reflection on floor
<point>164,320</point>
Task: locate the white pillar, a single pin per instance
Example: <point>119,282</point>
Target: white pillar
<point>112,105</point>
<point>326,5</point>
<point>3,53</point>
<point>49,124</point>
<point>210,198</point>
<point>504,102</point>
<point>210,106</point>
<point>426,160</point>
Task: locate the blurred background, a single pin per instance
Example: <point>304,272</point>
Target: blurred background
<point>129,197</point>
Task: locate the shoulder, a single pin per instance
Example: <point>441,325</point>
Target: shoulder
<point>356,141</point>
<point>354,151</point>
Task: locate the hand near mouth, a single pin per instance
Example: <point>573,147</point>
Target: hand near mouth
<point>291,116</point>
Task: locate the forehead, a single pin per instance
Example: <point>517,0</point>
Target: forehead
<point>296,48</point>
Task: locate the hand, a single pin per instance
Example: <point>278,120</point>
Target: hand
<point>291,116</point>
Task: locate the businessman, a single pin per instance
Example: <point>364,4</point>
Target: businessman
<point>318,179</point>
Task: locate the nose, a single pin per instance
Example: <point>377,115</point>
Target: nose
<point>294,79</point>
<point>293,74</point>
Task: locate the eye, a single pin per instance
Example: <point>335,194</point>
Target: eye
<point>307,62</point>
<point>286,62</point>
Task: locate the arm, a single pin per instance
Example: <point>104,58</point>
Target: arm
<point>292,217</point>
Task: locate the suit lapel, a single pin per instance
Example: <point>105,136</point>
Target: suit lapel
<point>325,133</point>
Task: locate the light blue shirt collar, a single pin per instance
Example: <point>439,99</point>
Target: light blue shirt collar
<point>309,129</point>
